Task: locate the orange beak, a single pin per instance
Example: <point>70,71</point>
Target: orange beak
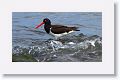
<point>39,25</point>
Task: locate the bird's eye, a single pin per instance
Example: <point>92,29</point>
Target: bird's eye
<point>45,20</point>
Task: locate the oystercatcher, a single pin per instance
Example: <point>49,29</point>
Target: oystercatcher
<point>56,30</point>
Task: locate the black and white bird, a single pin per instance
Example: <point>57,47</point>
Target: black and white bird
<point>56,30</point>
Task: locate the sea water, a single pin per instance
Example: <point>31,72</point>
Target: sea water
<point>81,46</point>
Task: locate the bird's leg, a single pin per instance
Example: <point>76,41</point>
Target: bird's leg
<point>56,38</point>
<point>59,39</point>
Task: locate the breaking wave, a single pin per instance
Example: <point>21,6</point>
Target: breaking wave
<point>79,48</point>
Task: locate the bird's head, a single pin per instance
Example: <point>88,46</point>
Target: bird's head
<point>46,21</point>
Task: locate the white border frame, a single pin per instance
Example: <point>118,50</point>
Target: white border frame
<point>104,67</point>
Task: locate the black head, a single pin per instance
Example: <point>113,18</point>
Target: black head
<point>47,21</point>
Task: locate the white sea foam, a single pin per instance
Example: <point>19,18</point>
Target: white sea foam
<point>71,43</point>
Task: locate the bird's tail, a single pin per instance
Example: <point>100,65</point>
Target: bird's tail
<point>75,28</point>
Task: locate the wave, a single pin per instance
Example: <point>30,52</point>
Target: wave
<point>78,48</point>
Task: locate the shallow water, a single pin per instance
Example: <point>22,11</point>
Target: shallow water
<point>83,46</point>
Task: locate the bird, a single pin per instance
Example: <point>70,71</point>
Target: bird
<point>56,30</point>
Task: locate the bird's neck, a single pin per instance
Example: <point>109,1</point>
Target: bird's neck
<point>48,25</point>
<point>47,28</point>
